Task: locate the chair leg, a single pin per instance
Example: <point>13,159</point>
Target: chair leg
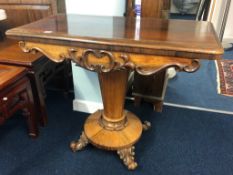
<point>31,122</point>
<point>158,106</point>
<point>66,77</point>
<point>137,101</point>
<point>29,112</point>
<point>43,111</point>
<point>39,99</point>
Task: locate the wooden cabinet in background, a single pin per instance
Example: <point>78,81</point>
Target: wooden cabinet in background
<point>61,6</point>
<point>151,88</point>
<point>150,8</point>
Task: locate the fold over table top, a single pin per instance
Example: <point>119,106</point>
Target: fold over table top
<point>175,38</point>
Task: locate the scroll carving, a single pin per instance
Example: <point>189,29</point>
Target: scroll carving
<point>113,64</point>
<point>25,49</point>
<point>98,54</point>
<point>52,56</point>
<point>106,61</point>
<point>125,63</point>
<point>194,66</point>
<point>127,155</point>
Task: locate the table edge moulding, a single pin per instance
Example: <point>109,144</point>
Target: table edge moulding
<point>114,128</point>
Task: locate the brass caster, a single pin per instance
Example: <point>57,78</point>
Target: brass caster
<point>127,155</point>
<point>146,125</point>
<point>80,144</point>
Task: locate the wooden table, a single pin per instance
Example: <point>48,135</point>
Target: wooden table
<point>36,64</point>
<point>15,95</point>
<point>113,46</point>
<point>40,71</point>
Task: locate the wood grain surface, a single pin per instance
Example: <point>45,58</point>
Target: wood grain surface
<point>188,39</point>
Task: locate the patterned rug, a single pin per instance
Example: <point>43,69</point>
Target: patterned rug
<point>225,77</point>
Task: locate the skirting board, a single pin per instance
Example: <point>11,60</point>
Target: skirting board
<point>228,39</point>
<point>86,106</point>
<point>91,107</point>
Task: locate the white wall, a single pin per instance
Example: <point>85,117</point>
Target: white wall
<point>217,19</point>
<point>229,27</point>
<point>96,7</point>
<point>86,86</point>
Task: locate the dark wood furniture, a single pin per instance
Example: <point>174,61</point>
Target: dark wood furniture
<point>151,88</point>
<point>150,8</point>
<point>16,94</point>
<point>40,69</point>
<point>61,6</point>
<point>112,54</point>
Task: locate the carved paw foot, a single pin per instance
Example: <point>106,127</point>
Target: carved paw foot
<point>146,125</point>
<point>127,155</point>
<point>80,144</point>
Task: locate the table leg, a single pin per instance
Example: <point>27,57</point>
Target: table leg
<point>112,128</point>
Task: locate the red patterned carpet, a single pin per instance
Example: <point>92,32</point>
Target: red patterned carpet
<point>225,77</point>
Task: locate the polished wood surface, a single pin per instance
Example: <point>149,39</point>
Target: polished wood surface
<point>125,137</point>
<point>154,46</point>
<point>15,95</point>
<point>110,98</point>
<point>8,50</point>
<point>112,121</point>
<point>156,36</point>
<point>10,74</point>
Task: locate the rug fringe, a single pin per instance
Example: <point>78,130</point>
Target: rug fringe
<point>217,77</point>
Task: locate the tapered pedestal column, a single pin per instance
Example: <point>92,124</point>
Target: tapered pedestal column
<point>112,128</point>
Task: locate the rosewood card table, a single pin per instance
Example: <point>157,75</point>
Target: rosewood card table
<point>112,47</point>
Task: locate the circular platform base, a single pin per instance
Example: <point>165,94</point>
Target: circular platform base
<point>112,140</point>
